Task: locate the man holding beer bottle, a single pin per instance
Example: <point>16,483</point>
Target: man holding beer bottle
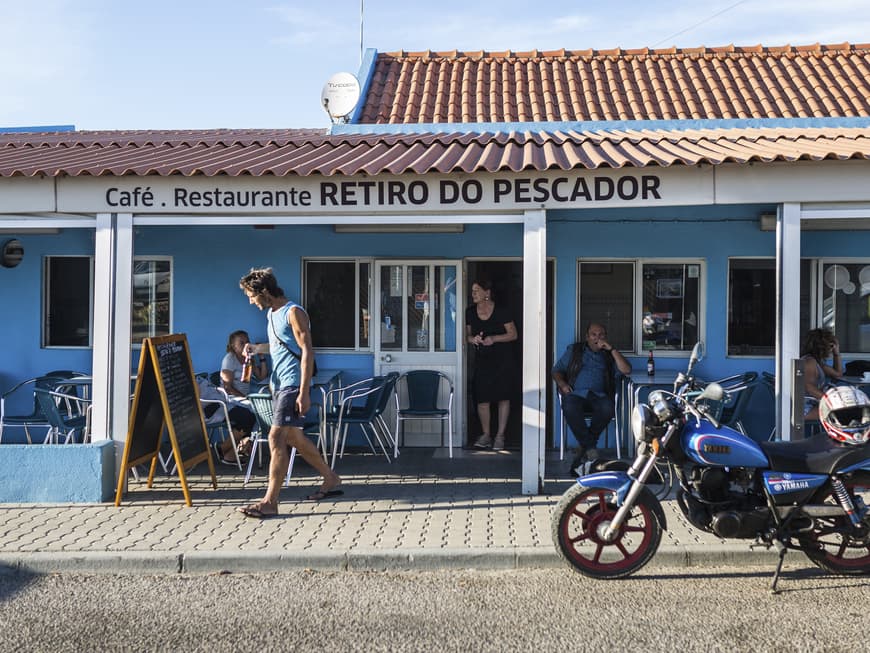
<point>289,330</point>
<point>586,377</point>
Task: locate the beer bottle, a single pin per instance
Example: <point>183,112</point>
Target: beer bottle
<point>247,369</point>
<point>650,364</point>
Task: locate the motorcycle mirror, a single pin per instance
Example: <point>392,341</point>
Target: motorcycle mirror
<point>697,354</point>
<point>713,391</point>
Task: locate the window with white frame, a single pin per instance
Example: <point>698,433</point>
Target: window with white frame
<point>152,298</point>
<point>643,304</point>
<point>68,300</point>
<point>336,296</point>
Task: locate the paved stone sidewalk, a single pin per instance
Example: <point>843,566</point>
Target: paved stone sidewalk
<point>422,511</point>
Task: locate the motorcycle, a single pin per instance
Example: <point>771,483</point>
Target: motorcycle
<point>800,495</point>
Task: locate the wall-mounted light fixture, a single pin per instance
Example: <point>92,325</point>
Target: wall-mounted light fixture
<point>11,253</point>
<point>428,228</point>
<point>767,222</point>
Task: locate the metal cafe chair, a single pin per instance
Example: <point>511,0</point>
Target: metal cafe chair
<point>214,400</point>
<point>343,413</point>
<point>768,380</point>
<point>261,403</point>
<point>34,419</point>
<point>68,415</point>
<point>218,426</point>
<point>424,395</point>
<point>389,387</point>
<point>738,389</point>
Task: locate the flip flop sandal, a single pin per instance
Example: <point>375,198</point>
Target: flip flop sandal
<point>256,513</point>
<point>320,495</point>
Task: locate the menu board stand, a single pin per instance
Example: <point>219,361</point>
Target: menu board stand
<point>166,396</point>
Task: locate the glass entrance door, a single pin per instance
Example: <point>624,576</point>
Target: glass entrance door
<point>419,327</point>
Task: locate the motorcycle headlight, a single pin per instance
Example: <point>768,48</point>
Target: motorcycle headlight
<point>661,406</point>
<point>641,421</point>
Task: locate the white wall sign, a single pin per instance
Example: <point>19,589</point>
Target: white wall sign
<point>306,195</point>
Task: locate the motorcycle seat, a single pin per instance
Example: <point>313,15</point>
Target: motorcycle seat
<point>816,455</point>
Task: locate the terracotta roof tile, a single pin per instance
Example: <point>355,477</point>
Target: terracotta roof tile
<point>310,152</point>
<point>598,85</point>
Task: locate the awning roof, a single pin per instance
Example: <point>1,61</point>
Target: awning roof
<point>283,152</point>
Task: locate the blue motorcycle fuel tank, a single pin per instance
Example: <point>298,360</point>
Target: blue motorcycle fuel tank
<point>722,446</point>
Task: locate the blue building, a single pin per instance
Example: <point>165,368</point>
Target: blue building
<point>674,195</point>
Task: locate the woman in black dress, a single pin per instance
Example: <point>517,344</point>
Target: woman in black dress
<point>489,329</point>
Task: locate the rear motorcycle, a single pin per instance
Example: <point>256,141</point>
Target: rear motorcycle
<point>804,495</point>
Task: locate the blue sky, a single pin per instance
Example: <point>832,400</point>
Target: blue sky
<point>184,64</point>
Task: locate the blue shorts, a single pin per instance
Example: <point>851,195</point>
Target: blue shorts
<point>284,408</point>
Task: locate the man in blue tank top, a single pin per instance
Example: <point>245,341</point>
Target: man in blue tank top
<point>287,326</point>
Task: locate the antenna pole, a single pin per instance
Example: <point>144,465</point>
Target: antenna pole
<point>361,10</point>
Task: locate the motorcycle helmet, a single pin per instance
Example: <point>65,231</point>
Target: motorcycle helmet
<point>845,414</point>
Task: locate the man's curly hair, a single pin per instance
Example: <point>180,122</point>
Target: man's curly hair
<point>260,280</point>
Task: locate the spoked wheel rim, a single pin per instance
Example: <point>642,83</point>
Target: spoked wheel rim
<point>582,534</point>
<point>835,546</point>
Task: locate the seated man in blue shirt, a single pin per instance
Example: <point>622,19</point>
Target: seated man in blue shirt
<point>586,378</point>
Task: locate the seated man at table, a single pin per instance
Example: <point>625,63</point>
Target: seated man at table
<point>586,376</point>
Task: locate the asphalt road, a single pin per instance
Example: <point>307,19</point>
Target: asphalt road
<point>725,609</point>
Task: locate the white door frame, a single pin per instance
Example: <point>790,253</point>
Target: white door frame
<point>404,359</point>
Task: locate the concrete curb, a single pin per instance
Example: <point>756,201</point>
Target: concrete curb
<point>87,562</point>
<point>234,561</point>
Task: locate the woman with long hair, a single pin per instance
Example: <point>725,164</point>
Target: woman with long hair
<point>489,328</point>
<point>819,345</point>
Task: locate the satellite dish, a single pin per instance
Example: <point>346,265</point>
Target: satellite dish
<point>339,95</point>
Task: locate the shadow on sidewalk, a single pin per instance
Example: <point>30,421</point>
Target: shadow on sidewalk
<point>420,475</point>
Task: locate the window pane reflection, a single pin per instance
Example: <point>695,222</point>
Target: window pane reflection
<point>392,319</point>
<point>152,289</point>
<point>670,305</point>
<point>846,304</point>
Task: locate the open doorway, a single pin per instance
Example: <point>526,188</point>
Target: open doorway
<point>506,277</point>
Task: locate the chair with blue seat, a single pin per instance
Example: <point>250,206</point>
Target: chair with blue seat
<point>739,389</point>
<point>357,404</point>
<point>390,381</point>
<point>35,419</point>
<point>261,404</point>
<point>424,395</point>
<point>68,415</point>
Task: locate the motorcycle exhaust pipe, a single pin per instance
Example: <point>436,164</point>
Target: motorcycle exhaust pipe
<point>813,511</point>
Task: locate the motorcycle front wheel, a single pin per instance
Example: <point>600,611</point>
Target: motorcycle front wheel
<point>834,544</point>
<point>580,519</point>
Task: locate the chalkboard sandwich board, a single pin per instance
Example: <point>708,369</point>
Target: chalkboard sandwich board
<point>166,396</point>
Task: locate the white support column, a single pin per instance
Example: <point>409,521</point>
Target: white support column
<point>104,274</point>
<point>113,272</point>
<point>534,349</point>
<point>788,267</point>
